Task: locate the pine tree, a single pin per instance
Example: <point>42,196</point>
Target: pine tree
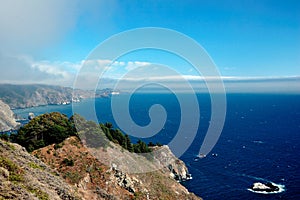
<point>128,143</point>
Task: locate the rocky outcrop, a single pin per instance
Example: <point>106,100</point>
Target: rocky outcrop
<point>124,180</point>
<point>7,119</point>
<point>171,163</point>
<point>23,176</point>
<point>267,187</point>
<point>111,172</point>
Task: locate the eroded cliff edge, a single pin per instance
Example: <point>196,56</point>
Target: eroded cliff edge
<point>115,173</point>
<point>7,119</point>
<point>69,170</point>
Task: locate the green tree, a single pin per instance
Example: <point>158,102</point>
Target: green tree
<point>44,130</point>
<point>109,125</point>
<point>116,136</point>
<point>128,143</point>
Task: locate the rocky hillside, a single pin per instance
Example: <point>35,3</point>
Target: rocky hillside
<point>92,165</point>
<point>23,176</point>
<point>7,120</point>
<point>23,96</point>
<point>103,173</point>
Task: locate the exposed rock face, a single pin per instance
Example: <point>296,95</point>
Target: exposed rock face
<point>167,159</point>
<point>93,179</point>
<point>104,173</point>
<point>23,176</point>
<point>7,120</point>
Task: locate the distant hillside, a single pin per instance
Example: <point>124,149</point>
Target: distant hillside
<point>23,96</point>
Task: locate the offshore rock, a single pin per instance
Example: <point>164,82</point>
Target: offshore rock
<point>267,187</point>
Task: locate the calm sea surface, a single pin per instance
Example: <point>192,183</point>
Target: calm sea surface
<point>259,142</point>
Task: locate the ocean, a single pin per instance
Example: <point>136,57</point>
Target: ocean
<point>259,142</point>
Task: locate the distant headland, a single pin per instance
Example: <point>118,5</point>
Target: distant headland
<point>24,96</point>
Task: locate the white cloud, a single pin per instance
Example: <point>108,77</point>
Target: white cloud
<point>134,64</point>
<point>24,69</point>
<point>49,68</point>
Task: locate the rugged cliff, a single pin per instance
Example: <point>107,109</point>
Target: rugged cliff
<point>107,173</point>
<point>92,166</point>
<point>171,164</point>
<point>7,120</point>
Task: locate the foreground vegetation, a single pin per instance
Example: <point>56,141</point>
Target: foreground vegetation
<point>55,127</point>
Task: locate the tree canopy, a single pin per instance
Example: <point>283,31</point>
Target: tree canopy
<point>55,127</point>
<point>116,136</point>
<point>44,130</point>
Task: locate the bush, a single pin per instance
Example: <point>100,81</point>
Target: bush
<point>35,166</point>
<point>58,146</point>
<point>68,162</point>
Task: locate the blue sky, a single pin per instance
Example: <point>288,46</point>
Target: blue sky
<point>47,41</point>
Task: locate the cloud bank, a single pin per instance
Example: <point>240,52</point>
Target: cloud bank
<point>287,84</point>
<point>26,70</point>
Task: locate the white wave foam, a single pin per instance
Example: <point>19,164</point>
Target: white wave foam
<point>281,189</point>
<point>258,142</point>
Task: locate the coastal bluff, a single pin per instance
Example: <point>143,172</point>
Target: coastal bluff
<point>7,119</point>
<point>103,173</point>
<point>32,95</point>
<point>23,96</point>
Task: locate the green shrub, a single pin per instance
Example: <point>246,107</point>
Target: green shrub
<point>35,166</point>
<point>73,177</point>
<point>15,172</point>
<point>38,193</point>
<point>68,162</point>
<point>57,146</point>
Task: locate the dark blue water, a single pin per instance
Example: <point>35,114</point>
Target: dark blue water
<point>259,142</point>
